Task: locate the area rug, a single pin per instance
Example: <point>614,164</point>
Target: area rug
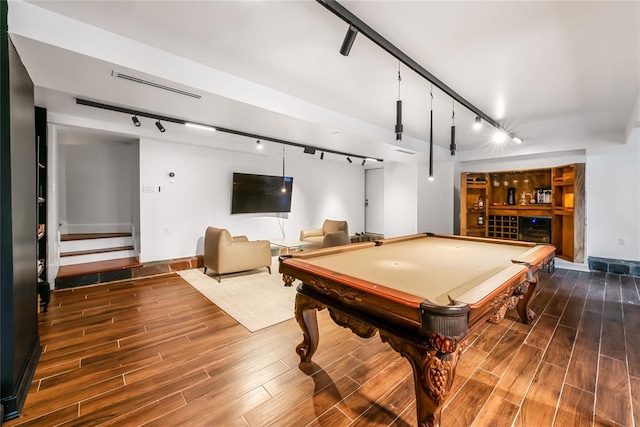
<point>256,299</point>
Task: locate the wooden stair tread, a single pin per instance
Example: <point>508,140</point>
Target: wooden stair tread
<point>97,251</point>
<point>87,236</point>
<point>97,267</point>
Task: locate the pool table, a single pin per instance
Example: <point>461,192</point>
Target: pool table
<point>423,293</point>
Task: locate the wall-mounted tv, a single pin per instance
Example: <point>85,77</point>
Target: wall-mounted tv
<point>260,193</point>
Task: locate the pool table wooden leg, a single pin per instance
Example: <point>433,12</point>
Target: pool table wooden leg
<point>433,374</point>
<point>306,309</point>
<point>527,314</point>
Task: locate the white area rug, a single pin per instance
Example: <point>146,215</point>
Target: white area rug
<point>256,299</point>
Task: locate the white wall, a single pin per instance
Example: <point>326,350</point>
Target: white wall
<point>135,195</point>
<point>613,200</point>
<point>436,198</point>
<point>97,183</point>
<point>173,219</point>
<point>53,205</point>
<point>400,199</point>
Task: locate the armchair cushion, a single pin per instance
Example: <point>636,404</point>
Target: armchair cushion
<point>226,254</point>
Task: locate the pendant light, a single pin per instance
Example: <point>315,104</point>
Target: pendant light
<point>284,188</point>
<point>452,146</point>
<point>399,109</point>
<point>431,137</point>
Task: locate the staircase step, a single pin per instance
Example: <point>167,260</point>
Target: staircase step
<point>97,251</point>
<point>86,236</point>
<point>97,267</point>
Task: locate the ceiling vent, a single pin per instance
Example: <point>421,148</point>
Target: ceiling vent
<point>114,73</point>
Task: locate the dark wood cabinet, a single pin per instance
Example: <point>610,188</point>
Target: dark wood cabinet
<point>19,340</point>
<point>539,205</point>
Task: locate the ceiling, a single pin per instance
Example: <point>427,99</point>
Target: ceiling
<point>561,75</point>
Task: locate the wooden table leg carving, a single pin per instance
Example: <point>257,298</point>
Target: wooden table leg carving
<point>526,313</point>
<point>306,309</point>
<point>287,279</point>
<point>520,300</point>
<point>433,372</point>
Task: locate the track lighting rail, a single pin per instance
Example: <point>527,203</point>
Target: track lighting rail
<point>254,136</point>
<point>386,45</point>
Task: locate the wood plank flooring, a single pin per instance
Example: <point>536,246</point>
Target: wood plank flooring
<point>155,352</point>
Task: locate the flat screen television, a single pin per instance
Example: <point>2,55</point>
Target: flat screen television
<point>260,193</point>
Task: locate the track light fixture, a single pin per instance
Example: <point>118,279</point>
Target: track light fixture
<point>364,161</point>
<point>399,109</point>
<point>259,145</point>
<point>477,124</point>
<point>159,126</point>
<point>322,156</point>
<point>309,150</point>
<point>452,146</point>
<point>431,137</point>
<point>349,160</point>
<point>135,121</point>
<point>349,38</point>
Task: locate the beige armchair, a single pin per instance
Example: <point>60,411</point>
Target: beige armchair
<point>332,233</point>
<point>226,254</point>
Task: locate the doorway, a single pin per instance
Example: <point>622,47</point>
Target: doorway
<point>374,201</point>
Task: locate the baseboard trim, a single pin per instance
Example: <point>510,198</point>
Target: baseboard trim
<point>12,404</point>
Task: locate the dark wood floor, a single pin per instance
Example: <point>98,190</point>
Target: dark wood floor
<point>155,352</point>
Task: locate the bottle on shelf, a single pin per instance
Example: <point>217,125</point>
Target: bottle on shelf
<point>480,202</point>
<point>480,220</point>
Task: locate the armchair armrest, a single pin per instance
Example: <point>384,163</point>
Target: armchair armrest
<point>239,239</point>
<point>311,233</point>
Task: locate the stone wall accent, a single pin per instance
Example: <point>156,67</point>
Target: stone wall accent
<point>616,266</point>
